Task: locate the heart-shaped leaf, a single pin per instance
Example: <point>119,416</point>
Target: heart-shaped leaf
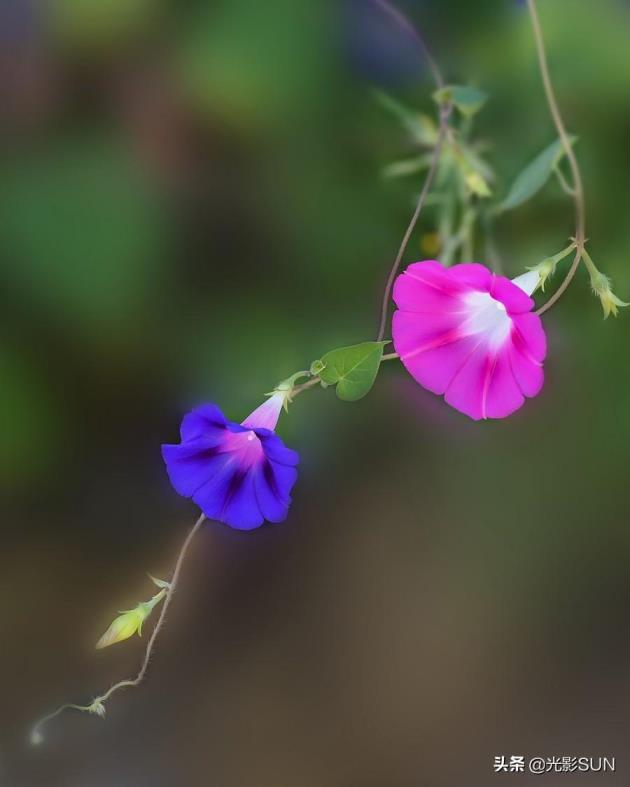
<point>535,175</point>
<point>352,369</point>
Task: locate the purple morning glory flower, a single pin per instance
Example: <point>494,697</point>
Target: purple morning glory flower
<point>239,474</point>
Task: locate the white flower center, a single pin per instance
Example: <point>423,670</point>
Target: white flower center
<point>486,316</point>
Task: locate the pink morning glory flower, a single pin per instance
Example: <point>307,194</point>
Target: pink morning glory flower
<point>470,335</point>
<point>240,474</point>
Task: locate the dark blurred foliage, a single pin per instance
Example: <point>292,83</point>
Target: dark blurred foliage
<point>377,47</point>
<point>191,208</point>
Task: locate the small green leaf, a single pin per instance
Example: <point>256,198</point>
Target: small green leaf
<point>535,175</point>
<point>161,583</point>
<point>477,185</point>
<point>475,161</point>
<point>352,369</point>
<point>410,166</point>
<point>469,100</point>
<point>421,127</point>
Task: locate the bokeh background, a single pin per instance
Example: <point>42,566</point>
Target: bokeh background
<point>191,208</point>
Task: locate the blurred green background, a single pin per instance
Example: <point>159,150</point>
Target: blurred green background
<point>191,208</point>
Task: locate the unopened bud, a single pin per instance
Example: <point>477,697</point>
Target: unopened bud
<point>129,622</point>
<point>123,627</point>
<point>602,288</point>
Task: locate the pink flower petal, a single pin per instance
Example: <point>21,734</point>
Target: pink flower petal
<point>434,368</point>
<point>528,374</point>
<point>512,297</point>
<point>468,334</point>
<point>529,336</point>
<point>414,335</point>
<point>473,274</point>
<point>426,294</point>
<point>502,395</point>
<point>465,391</point>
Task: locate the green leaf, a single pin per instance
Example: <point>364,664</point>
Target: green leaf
<point>476,161</point>
<point>477,184</point>
<point>405,167</point>
<point>352,369</point>
<point>535,175</point>
<point>469,100</point>
<point>161,583</point>
<point>421,128</point>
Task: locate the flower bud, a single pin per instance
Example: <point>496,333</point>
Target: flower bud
<point>602,288</point>
<point>128,623</point>
<point>123,627</point>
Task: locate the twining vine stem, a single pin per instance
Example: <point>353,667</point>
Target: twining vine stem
<point>97,703</point>
<point>444,115</point>
<point>160,621</point>
<point>445,112</point>
<point>401,20</point>
<point>577,187</point>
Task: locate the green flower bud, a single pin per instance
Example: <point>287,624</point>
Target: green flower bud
<point>602,288</point>
<point>123,627</point>
<point>128,623</point>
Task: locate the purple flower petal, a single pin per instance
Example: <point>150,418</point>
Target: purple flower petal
<point>201,420</point>
<point>240,475</point>
<point>269,483</point>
